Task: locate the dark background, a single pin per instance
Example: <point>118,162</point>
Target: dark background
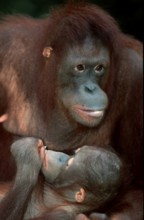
<point>128,13</point>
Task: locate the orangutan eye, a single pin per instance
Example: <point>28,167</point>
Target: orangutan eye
<point>99,69</point>
<point>80,68</point>
<point>69,162</point>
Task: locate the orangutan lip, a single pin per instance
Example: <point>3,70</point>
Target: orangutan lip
<point>92,112</point>
<point>95,113</point>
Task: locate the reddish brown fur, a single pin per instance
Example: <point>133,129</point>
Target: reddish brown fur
<point>122,127</point>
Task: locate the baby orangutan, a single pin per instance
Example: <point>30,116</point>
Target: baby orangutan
<point>73,184</point>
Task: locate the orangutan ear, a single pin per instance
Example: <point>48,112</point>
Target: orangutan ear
<point>47,52</point>
<point>3,118</point>
<point>80,195</point>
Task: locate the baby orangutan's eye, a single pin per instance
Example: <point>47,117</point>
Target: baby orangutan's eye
<point>69,162</point>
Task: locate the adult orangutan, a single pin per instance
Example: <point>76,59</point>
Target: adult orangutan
<point>74,79</point>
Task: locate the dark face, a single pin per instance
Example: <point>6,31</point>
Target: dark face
<point>81,77</point>
<point>57,164</point>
